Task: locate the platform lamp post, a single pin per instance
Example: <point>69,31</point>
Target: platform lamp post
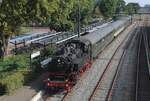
<point>78,19</point>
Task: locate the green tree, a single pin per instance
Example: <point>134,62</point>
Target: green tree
<point>12,15</point>
<point>120,6</point>
<point>60,19</point>
<point>96,10</point>
<point>59,15</point>
<point>39,10</point>
<point>108,7</point>
<point>86,12</point>
<point>132,8</point>
<point>65,17</point>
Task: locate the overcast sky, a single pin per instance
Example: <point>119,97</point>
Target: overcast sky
<point>141,2</point>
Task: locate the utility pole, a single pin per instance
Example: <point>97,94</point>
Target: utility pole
<point>78,19</point>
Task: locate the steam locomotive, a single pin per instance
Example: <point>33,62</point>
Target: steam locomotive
<point>76,56</point>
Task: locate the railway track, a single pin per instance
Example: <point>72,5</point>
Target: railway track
<point>146,37</point>
<point>95,96</point>
<point>142,92</point>
<point>123,65</point>
<point>57,97</point>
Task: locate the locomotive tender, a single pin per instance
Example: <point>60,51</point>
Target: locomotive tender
<point>76,56</point>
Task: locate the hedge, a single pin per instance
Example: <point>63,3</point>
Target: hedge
<point>14,62</point>
<point>14,73</point>
<point>12,82</point>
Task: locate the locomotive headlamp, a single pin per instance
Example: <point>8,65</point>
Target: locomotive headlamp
<point>67,85</point>
<point>58,60</point>
<point>48,84</point>
<point>48,79</point>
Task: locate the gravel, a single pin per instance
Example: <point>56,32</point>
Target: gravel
<point>124,86</point>
<point>102,90</point>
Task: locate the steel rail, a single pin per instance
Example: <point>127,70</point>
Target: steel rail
<point>61,98</point>
<point>144,36</point>
<point>147,49</point>
<point>109,94</point>
<point>137,73</point>
<point>100,80</point>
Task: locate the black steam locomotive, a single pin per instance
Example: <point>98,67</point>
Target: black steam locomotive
<point>76,56</point>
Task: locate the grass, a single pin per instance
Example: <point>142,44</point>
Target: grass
<point>13,72</point>
<point>13,63</point>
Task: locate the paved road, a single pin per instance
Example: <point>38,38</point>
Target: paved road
<point>25,93</point>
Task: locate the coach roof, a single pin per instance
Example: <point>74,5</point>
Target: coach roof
<point>100,33</point>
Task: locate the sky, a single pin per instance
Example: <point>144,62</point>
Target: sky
<point>141,2</point>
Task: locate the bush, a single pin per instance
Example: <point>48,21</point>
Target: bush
<point>12,82</point>
<point>15,72</point>
<point>2,89</point>
<point>48,52</point>
<point>14,62</point>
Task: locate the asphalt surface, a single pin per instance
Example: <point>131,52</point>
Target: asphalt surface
<point>25,93</point>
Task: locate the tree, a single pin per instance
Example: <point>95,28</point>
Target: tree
<point>120,6</point>
<point>59,15</point>
<point>65,18</point>
<point>86,12</point>
<point>12,15</point>
<point>132,8</point>
<point>96,10</point>
<point>60,19</point>
<point>108,7</point>
<point>40,10</point>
